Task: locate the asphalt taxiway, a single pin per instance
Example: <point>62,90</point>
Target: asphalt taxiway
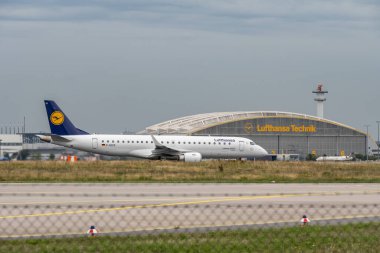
<point>69,209</point>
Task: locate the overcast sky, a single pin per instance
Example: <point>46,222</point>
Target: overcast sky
<point>124,65</point>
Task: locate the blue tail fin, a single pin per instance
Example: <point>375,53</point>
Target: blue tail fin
<point>59,123</point>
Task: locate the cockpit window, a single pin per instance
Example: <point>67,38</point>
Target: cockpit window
<point>252,143</point>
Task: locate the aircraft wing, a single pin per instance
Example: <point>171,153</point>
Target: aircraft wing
<point>163,150</point>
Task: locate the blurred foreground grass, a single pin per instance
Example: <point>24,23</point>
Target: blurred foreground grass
<point>333,238</point>
<point>207,171</point>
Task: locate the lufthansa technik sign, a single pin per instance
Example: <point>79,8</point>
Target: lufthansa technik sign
<point>286,129</point>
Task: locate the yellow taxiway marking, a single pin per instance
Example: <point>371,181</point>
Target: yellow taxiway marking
<point>76,194</point>
<point>97,201</point>
<point>207,201</point>
<point>43,193</point>
<point>150,229</point>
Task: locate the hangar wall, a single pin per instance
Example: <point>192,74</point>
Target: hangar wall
<point>281,135</point>
<point>277,132</point>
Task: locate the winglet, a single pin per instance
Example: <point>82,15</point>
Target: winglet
<point>157,143</point>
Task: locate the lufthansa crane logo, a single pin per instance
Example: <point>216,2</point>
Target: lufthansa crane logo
<point>57,118</point>
<point>248,127</point>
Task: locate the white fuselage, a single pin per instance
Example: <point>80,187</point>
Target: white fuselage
<point>335,158</point>
<point>143,146</point>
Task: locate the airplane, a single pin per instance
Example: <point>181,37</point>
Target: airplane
<point>334,158</point>
<point>154,147</point>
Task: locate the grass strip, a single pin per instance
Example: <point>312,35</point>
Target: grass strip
<point>333,238</point>
<point>208,171</point>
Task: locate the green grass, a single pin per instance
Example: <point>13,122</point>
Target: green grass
<point>208,171</point>
<point>337,238</point>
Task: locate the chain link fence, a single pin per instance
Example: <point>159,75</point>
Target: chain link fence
<point>54,222</point>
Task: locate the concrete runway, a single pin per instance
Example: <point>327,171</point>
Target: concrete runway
<point>69,209</point>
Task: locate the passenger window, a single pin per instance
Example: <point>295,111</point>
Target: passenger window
<point>179,142</point>
<point>224,143</point>
<point>151,142</point>
<point>133,142</point>
<point>103,141</point>
<point>137,141</point>
<point>214,143</point>
<point>252,143</point>
<point>195,142</point>
<point>128,141</point>
<point>123,141</point>
<point>146,141</point>
<point>229,143</point>
<point>113,141</point>
<point>117,141</point>
<point>199,142</point>
<point>189,142</point>
<point>209,143</point>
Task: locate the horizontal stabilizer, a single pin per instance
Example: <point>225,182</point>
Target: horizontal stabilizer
<point>52,137</point>
<point>59,138</point>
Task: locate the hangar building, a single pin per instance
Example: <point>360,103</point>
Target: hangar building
<point>277,132</point>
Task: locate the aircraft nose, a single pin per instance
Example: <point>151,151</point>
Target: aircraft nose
<point>261,151</point>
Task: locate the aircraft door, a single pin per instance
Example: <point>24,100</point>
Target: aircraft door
<point>94,143</point>
<point>241,145</point>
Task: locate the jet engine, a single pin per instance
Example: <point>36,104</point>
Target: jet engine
<point>191,157</point>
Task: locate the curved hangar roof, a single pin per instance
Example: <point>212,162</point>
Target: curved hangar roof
<point>194,123</point>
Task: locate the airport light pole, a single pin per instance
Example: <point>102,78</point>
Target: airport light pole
<point>0,148</point>
<point>366,151</point>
